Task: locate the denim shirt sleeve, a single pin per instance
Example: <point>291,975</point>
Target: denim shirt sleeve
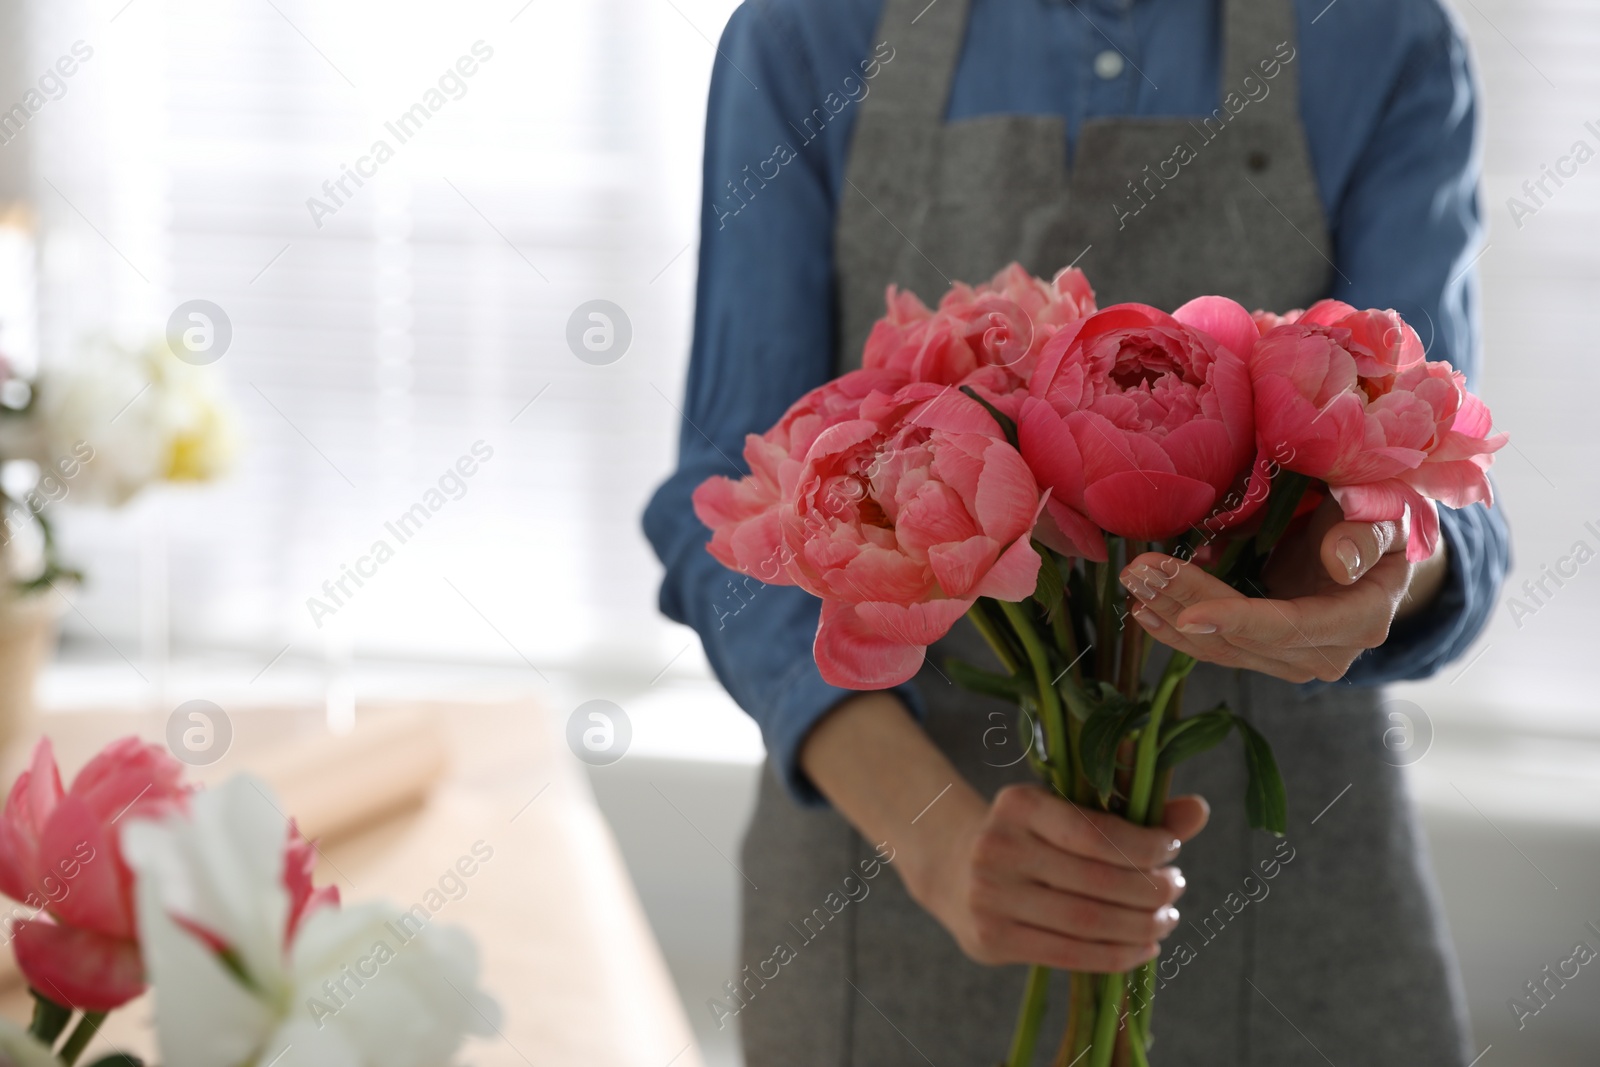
<point>763,336</point>
<point>1406,236</point>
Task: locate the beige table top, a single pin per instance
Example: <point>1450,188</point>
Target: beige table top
<point>564,944</point>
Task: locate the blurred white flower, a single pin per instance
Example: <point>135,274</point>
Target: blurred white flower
<point>359,986</point>
<point>17,1049</point>
<point>147,415</point>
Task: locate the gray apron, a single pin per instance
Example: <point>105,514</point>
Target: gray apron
<point>1328,946</point>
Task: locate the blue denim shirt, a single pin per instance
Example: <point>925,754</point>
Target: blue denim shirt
<point>1388,100</point>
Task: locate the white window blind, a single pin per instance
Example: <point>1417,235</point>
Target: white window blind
<point>534,157</point>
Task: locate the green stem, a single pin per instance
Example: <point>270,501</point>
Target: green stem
<point>1055,731</point>
<point>1105,1023</point>
<point>1081,1009</point>
<point>1143,981</point>
<point>82,1034</point>
<point>1109,601</point>
<point>997,642</point>
<point>49,1018</point>
<point>1034,1001</point>
<point>1136,1048</point>
<point>1144,766</point>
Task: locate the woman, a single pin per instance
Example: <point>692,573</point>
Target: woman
<point>1270,151</point>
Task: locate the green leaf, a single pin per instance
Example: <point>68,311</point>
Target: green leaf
<point>977,680</point>
<point>1103,732</point>
<point>1050,591</point>
<point>1190,736</point>
<point>1282,501</point>
<point>1265,801</point>
<point>1007,424</point>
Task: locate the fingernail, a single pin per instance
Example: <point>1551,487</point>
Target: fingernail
<point>1198,628</point>
<point>1178,880</point>
<point>1149,619</point>
<point>1173,847</point>
<point>1350,556</point>
<point>1138,586</point>
<point>1151,577</point>
<point>1168,915</point>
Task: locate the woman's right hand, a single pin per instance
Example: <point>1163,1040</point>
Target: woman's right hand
<point>1030,878</point>
<point>1026,878</point>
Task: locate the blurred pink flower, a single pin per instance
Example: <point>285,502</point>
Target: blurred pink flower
<point>59,852</point>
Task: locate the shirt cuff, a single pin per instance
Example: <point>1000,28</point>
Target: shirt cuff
<point>1420,644</point>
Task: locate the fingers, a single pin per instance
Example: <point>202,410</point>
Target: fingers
<point>1004,941</point>
<point>1167,585</point>
<point>1351,549</point>
<point>1299,640</point>
<point>1054,884</point>
<point>1047,865</point>
<point>1074,916</point>
<point>1093,835</point>
<point>1186,816</point>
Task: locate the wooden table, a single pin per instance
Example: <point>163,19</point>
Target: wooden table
<point>564,945</point>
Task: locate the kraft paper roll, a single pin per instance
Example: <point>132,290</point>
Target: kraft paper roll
<point>334,785</point>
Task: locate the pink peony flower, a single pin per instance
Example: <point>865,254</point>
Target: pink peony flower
<point>1271,320</point>
<point>988,336</point>
<point>1140,422</point>
<point>901,518</point>
<point>1348,399</point>
<point>743,513</point>
<point>59,852</point>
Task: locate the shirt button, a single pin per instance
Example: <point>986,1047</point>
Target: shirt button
<point>1108,64</point>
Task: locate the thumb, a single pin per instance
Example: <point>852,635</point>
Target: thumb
<point>1351,549</point>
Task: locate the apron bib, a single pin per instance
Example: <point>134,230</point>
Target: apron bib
<point>1329,943</point>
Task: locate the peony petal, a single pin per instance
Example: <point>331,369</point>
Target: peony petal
<point>1148,505</point>
<point>921,623</point>
<point>34,795</point>
<point>1325,313</point>
<point>1225,320</point>
<point>1015,575</point>
<point>1456,484</point>
<point>1051,451</point>
<point>852,655</point>
<point>99,894</point>
<point>1373,501</point>
<point>959,564</point>
<point>1239,509</point>
<point>77,967</point>
<point>1203,450</point>
<point>1070,533</point>
<point>129,776</point>
<point>1007,497</point>
<point>1107,450</point>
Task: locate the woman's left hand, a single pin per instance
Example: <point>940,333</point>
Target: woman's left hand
<point>1332,590</point>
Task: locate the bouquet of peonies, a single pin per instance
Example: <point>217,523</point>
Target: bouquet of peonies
<point>129,877</point>
<point>1004,456</point>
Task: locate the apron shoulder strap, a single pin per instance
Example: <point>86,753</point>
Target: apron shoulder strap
<point>1259,34</point>
<point>911,95</point>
